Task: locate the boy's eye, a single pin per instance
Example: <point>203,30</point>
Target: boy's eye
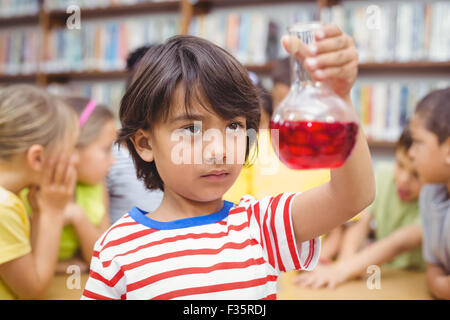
<point>235,126</point>
<point>193,129</point>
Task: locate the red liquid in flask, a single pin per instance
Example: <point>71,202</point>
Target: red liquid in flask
<point>314,145</point>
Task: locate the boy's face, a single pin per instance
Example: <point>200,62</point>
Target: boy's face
<point>406,177</point>
<point>199,156</point>
<point>431,159</point>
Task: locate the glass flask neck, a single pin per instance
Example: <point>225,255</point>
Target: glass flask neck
<point>300,76</point>
<point>305,33</point>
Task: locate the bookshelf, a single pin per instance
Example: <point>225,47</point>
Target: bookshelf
<point>46,21</point>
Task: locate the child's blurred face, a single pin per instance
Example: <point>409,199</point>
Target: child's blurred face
<point>198,156</point>
<point>406,177</point>
<point>430,158</point>
<point>96,158</point>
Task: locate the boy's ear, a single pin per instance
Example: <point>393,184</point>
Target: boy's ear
<point>35,157</point>
<point>143,145</point>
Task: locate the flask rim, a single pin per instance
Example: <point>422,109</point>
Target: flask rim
<point>305,26</point>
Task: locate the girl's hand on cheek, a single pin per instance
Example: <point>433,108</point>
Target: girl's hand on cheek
<point>57,186</point>
<point>332,58</point>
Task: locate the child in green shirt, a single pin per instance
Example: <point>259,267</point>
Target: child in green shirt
<point>395,217</point>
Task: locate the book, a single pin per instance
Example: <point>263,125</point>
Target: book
<point>385,107</point>
<point>103,45</point>
<point>395,31</point>
<point>15,8</point>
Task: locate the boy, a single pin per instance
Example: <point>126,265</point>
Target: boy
<point>195,245</point>
<point>430,128</point>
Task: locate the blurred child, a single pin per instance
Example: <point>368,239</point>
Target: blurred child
<point>38,133</point>
<point>430,129</point>
<point>196,245</point>
<point>124,188</point>
<point>398,233</point>
<point>86,216</point>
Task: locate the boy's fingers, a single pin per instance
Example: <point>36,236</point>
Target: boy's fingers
<point>340,72</point>
<point>328,31</point>
<point>295,46</point>
<point>329,45</point>
<point>332,59</point>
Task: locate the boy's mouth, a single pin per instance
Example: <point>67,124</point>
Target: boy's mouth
<point>403,194</point>
<point>216,175</point>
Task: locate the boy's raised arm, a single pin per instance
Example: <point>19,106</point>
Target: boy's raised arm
<point>352,186</point>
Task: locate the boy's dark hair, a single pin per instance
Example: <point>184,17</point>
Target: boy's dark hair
<point>133,59</point>
<point>434,109</point>
<point>209,76</point>
<point>405,141</point>
<point>135,56</point>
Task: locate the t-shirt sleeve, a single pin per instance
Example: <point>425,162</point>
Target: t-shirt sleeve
<point>270,220</point>
<point>14,239</point>
<point>427,227</point>
<point>106,281</point>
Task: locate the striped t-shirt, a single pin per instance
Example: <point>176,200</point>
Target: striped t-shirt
<point>235,253</point>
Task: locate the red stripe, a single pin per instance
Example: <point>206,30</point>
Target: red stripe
<point>118,226</point>
<point>229,245</point>
<point>256,212</point>
<point>311,252</point>
<point>267,239</point>
<point>194,270</point>
<point>177,238</point>
<point>129,237</point>
<point>273,209</point>
<point>216,288</point>
<point>109,283</point>
<point>290,233</point>
<point>270,297</point>
<point>96,296</point>
<point>236,210</point>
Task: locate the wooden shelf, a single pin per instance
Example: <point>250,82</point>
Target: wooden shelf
<point>232,3</point>
<point>413,66</point>
<point>120,10</point>
<point>86,75</point>
<point>381,144</point>
<point>436,67</point>
<point>15,20</point>
<point>18,77</point>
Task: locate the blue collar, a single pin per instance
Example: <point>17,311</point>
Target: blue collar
<point>140,216</point>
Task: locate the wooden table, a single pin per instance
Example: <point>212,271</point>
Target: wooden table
<point>395,285</point>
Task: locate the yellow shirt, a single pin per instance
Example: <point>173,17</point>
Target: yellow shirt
<point>269,176</point>
<point>14,234</point>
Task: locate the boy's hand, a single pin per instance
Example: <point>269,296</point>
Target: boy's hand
<point>332,58</point>
<point>57,186</point>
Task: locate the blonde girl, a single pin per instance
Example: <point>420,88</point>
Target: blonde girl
<point>38,133</point>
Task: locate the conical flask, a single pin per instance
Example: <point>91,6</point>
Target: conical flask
<point>315,128</point>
